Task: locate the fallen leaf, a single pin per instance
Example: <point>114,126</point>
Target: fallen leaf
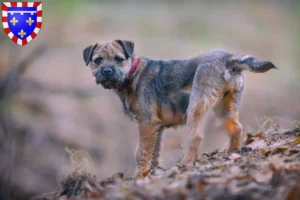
<point>214,153</point>
<point>221,167</point>
<point>234,156</point>
<point>258,144</point>
<point>118,176</point>
<point>249,138</point>
<point>260,134</point>
<point>297,141</point>
<point>201,186</point>
<point>280,150</point>
<point>266,152</point>
<point>293,151</point>
<point>242,177</point>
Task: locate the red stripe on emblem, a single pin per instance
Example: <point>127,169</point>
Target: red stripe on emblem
<point>24,4</point>
<point>39,13</point>
<point>13,4</point>
<point>15,39</point>
<point>24,42</point>
<point>39,25</point>
<point>7,31</point>
<point>36,4</point>
<point>33,35</point>
<point>4,19</point>
<point>4,7</point>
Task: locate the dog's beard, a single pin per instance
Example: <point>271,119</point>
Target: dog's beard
<point>110,83</point>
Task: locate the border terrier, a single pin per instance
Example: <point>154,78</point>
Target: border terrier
<point>161,94</point>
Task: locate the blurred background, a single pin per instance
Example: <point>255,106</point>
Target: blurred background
<point>51,111</point>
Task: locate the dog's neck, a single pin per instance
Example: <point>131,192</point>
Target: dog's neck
<point>128,93</point>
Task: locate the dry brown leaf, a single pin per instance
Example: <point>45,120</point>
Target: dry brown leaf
<point>214,153</point>
<point>293,151</point>
<point>242,177</point>
<point>221,167</point>
<point>266,152</point>
<point>201,186</point>
<point>280,150</point>
<point>297,141</point>
<point>249,138</point>
<point>118,176</point>
<point>260,134</point>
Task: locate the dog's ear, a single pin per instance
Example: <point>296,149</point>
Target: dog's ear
<point>127,46</point>
<point>88,53</point>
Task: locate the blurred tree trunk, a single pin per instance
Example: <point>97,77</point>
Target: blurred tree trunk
<point>9,83</point>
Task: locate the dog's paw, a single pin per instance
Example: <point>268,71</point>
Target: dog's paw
<point>140,174</point>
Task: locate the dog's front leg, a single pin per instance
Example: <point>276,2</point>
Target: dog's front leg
<point>147,140</point>
<point>156,151</point>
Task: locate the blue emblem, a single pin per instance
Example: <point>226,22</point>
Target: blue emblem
<point>22,20</point>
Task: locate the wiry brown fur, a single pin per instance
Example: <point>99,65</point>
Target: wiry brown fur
<point>162,94</point>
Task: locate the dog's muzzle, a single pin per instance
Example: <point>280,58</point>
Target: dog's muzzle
<point>104,74</point>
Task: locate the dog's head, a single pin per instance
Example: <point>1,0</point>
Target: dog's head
<point>110,61</point>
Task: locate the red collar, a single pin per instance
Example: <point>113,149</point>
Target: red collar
<point>134,66</point>
<point>136,61</point>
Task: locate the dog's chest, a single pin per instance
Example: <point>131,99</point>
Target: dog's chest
<point>130,108</point>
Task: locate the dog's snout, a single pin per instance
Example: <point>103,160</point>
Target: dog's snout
<point>107,71</point>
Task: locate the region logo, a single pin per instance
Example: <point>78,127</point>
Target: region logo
<point>22,21</point>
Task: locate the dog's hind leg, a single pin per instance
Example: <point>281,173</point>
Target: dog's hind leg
<point>227,110</point>
<point>201,101</point>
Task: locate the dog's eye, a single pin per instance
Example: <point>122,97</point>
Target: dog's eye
<point>98,61</point>
<point>119,60</point>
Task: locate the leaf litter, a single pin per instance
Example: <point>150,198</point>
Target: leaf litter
<point>266,167</point>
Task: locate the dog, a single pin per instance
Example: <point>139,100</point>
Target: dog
<point>161,94</point>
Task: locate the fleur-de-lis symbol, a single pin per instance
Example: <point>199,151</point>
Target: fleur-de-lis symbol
<point>29,21</point>
<point>22,33</point>
<point>14,21</point>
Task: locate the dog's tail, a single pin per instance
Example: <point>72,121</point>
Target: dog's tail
<point>246,62</point>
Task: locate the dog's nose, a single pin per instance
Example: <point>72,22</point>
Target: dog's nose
<point>107,71</point>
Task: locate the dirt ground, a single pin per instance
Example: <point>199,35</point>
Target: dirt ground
<point>267,167</point>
